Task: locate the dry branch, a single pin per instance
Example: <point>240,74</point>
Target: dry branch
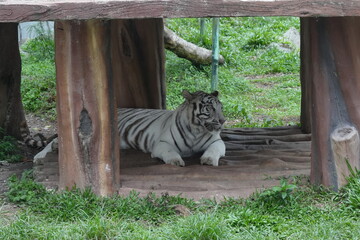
<point>187,50</point>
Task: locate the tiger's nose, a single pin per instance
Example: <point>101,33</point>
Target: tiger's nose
<point>222,120</point>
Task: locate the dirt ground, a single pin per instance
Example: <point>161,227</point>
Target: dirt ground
<point>255,159</point>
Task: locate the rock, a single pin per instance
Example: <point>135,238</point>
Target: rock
<point>292,36</point>
<point>182,210</point>
<point>281,47</point>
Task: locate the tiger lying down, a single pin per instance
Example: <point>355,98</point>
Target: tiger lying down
<point>194,127</point>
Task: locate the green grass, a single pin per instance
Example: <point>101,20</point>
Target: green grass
<point>259,85</point>
<point>287,211</point>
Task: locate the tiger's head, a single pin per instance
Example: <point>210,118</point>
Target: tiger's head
<point>206,109</point>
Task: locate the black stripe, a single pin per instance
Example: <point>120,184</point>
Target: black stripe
<point>124,117</point>
<point>206,142</point>
<point>180,129</point>
<point>143,130</point>
<point>193,116</point>
<point>146,143</point>
<point>149,117</point>
<point>172,135</point>
<point>167,119</point>
<point>128,129</point>
<point>151,141</point>
<point>170,144</point>
<point>215,141</point>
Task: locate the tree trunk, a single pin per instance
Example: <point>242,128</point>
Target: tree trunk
<point>11,108</point>
<point>137,52</point>
<point>334,74</point>
<point>88,136</point>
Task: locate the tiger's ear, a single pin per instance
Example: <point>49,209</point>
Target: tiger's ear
<point>215,93</point>
<point>187,95</point>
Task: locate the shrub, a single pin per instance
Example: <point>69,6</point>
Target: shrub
<point>8,148</point>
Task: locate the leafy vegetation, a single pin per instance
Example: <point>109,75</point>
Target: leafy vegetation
<point>287,211</point>
<point>9,151</point>
<point>259,84</point>
<point>38,85</point>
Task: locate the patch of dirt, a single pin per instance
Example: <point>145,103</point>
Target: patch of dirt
<point>41,125</point>
<point>266,85</point>
<point>256,77</point>
<point>7,170</point>
<point>7,212</point>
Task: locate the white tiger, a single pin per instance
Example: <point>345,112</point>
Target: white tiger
<point>193,127</point>
<point>170,135</point>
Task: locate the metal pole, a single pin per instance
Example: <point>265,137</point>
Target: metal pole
<point>202,29</point>
<point>215,54</point>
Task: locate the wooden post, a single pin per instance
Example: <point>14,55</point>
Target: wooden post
<point>345,148</point>
<point>88,136</point>
<point>334,71</point>
<point>137,53</point>
<point>305,76</point>
<point>11,108</point>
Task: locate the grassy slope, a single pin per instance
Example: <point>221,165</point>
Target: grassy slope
<point>259,85</point>
<point>38,85</point>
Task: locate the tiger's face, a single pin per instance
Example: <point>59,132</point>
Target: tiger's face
<point>206,110</point>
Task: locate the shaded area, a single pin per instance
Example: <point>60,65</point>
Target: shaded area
<point>255,159</point>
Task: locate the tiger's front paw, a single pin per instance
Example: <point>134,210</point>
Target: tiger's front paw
<point>176,162</point>
<point>212,155</point>
<point>209,160</point>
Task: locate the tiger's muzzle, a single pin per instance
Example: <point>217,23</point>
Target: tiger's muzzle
<point>215,125</point>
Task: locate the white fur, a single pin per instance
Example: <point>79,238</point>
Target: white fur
<point>194,127</point>
<point>213,153</point>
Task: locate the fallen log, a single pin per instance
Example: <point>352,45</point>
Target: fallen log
<point>270,152</point>
<point>184,49</point>
<point>275,131</point>
<point>298,146</point>
<point>287,138</point>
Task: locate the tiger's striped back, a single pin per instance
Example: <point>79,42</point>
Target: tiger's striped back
<point>139,128</point>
